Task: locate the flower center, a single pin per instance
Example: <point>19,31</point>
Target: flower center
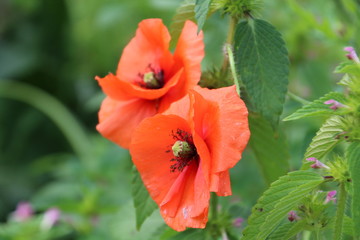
<point>184,151</point>
<point>151,79</point>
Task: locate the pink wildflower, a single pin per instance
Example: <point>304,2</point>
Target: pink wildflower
<point>51,216</point>
<point>23,212</point>
<point>317,164</point>
<point>334,104</point>
<point>292,216</point>
<point>330,197</point>
<point>352,54</point>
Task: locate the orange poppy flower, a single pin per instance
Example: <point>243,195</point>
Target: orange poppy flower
<point>148,78</point>
<point>186,152</point>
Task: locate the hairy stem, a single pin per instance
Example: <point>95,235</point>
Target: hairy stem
<point>340,212</point>
<point>229,40</point>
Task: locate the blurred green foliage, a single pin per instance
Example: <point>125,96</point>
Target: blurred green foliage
<point>59,46</point>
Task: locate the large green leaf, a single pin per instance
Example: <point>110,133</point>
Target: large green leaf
<point>353,157</point>
<point>144,205</point>
<point>282,196</point>
<point>185,12</point>
<point>269,148</point>
<point>317,107</point>
<point>326,138</point>
<point>288,230</point>
<point>201,11</point>
<point>263,65</point>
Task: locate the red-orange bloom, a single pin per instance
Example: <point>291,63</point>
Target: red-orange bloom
<point>148,78</point>
<point>186,152</point>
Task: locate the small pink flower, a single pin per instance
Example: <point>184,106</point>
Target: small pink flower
<point>292,216</point>
<point>51,216</point>
<point>330,197</point>
<point>351,54</point>
<point>23,212</point>
<point>334,104</point>
<point>317,164</point>
<point>238,222</point>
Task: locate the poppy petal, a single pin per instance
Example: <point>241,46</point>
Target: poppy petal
<point>228,138</point>
<point>180,108</point>
<point>188,54</point>
<point>220,183</point>
<point>149,48</point>
<point>149,150</point>
<point>190,202</point>
<point>121,90</point>
<point>118,119</point>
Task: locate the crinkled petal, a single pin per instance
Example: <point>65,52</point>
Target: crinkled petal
<point>122,90</point>
<point>149,47</point>
<point>191,201</point>
<point>227,138</point>
<point>149,149</point>
<point>183,197</point>
<point>118,119</point>
<point>188,55</point>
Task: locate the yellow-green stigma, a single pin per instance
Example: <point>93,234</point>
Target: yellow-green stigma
<point>152,81</point>
<point>182,149</point>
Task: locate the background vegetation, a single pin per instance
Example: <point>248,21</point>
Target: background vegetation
<point>50,152</point>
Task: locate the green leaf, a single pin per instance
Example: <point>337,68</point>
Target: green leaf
<point>183,13</point>
<point>326,139</point>
<point>269,148</point>
<point>144,205</point>
<point>353,157</point>
<point>352,73</point>
<point>191,234</point>
<point>348,225</point>
<point>318,108</point>
<point>201,11</point>
<point>282,196</point>
<point>263,65</point>
<point>287,230</point>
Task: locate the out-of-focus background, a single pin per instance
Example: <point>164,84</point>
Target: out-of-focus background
<point>50,153</point>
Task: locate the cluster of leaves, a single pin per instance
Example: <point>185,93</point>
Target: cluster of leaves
<point>341,126</point>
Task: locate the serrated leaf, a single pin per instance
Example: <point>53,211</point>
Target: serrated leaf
<point>326,138</point>
<point>347,227</point>
<point>144,205</point>
<point>201,12</point>
<point>263,64</point>
<point>353,157</point>
<point>318,107</point>
<point>352,73</point>
<point>269,148</point>
<point>185,12</point>
<point>282,196</point>
<point>287,230</point>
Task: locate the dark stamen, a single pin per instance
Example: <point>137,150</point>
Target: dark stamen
<point>151,79</point>
<point>184,150</point>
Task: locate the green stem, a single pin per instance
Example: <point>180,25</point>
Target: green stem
<point>297,98</point>
<point>237,82</point>
<point>55,110</point>
<point>317,235</point>
<point>229,40</point>
<point>340,212</point>
<point>213,206</point>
